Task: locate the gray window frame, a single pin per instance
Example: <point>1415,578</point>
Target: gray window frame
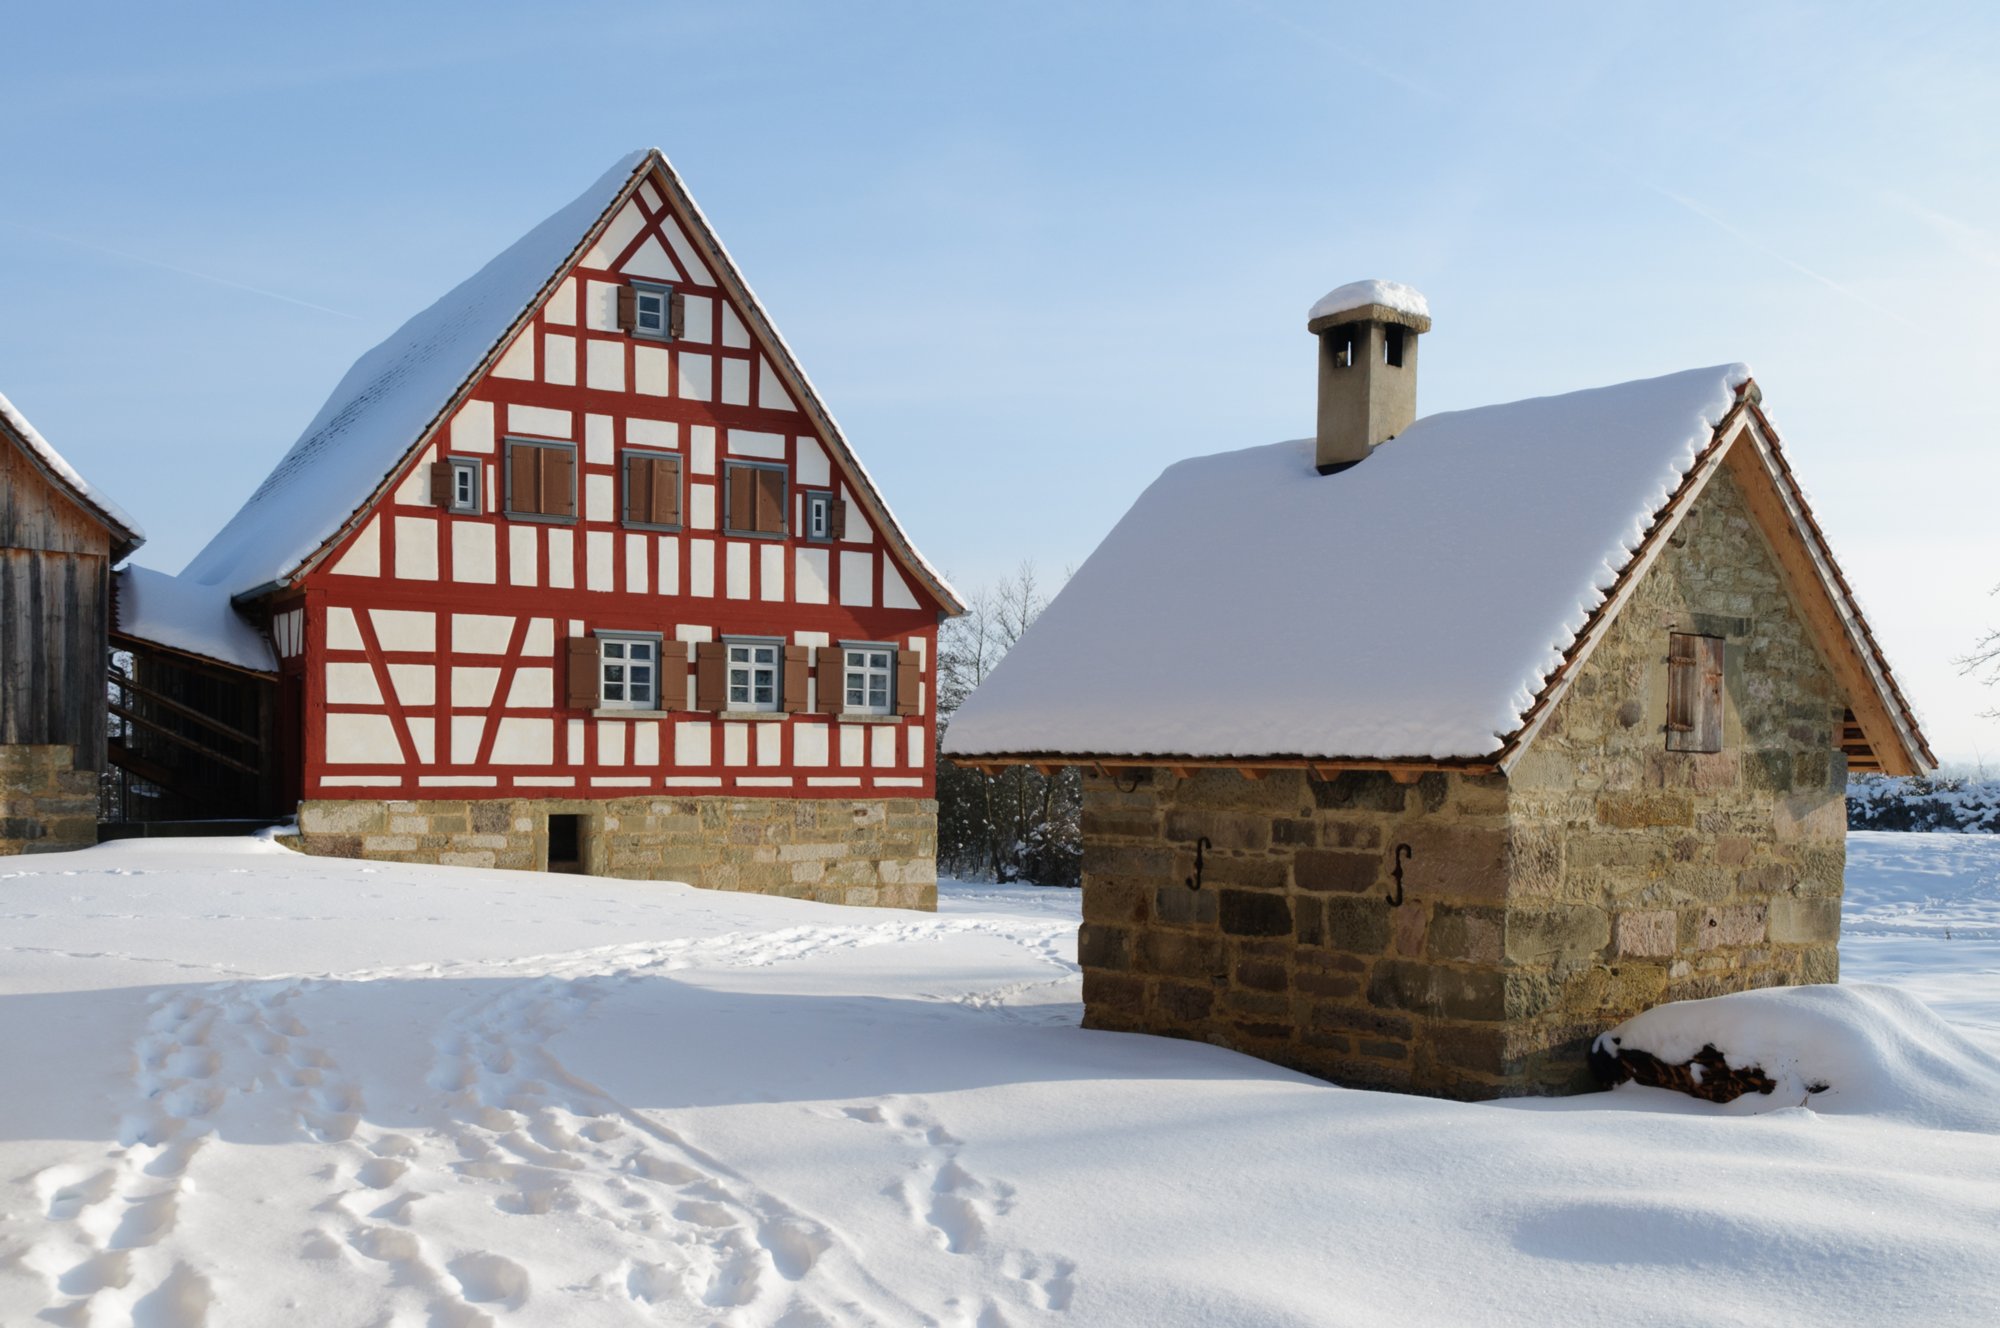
<point>784,503</point>
<point>777,646</point>
<point>625,455</point>
<point>507,445</point>
<point>819,502</point>
<point>461,465</point>
<point>640,288</point>
<point>653,639</point>
<point>847,668</point>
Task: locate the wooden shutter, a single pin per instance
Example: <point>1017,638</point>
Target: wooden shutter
<point>909,681</point>
<point>558,481</point>
<point>628,309</point>
<point>673,675</point>
<point>770,501</point>
<point>583,675</point>
<point>796,668</point>
<point>524,488</point>
<point>1694,693</point>
<point>676,315</point>
<point>742,498</point>
<point>638,487</point>
<point>836,518</point>
<point>711,676</point>
<point>667,491</point>
<point>830,664</point>
<point>441,483</point>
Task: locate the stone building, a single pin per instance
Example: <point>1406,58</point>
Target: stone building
<point>59,538</point>
<point>1420,752</point>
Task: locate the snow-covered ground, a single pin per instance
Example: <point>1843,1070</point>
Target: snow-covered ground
<point>242,1087</point>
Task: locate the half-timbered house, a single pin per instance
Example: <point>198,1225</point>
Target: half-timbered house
<point>1451,742</point>
<point>59,538</point>
<point>576,571</point>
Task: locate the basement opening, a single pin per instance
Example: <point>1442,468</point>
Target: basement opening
<point>566,843</point>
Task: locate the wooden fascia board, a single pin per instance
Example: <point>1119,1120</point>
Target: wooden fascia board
<point>773,343</point>
<point>122,541</point>
<point>1721,443</point>
<point>478,374</point>
<point>121,639</point>
<point>1816,585</point>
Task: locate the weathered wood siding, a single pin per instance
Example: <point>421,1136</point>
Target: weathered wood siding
<point>54,605</point>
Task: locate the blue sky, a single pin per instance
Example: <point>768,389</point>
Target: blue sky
<point>1033,252</point>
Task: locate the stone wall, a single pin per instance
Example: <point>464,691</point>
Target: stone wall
<point>1604,876</point>
<point>1644,875</point>
<point>46,803</point>
<point>1290,950</point>
<point>880,851</point>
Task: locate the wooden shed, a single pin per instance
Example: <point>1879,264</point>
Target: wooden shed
<point>59,539</point>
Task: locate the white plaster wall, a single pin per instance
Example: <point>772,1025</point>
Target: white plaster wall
<point>698,319</point>
<point>541,422</point>
<point>650,260</point>
<point>694,376</point>
<point>604,365</point>
<point>809,744</point>
<point>691,743</point>
<point>598,434</point>
<point>735,382</point>
<point>857,577</point>
<point>735,744</point>
<point>597,560</point>
<point>416,548</point>
<point>341,631</point>
<point>652,433</point>
<point>523,565</point>
<point>532,689</point>
<point>650,371</point>
<point>561,304</point>
<point>412,630</point>
<point>600,306</point>
<point>472,688</point>
<point>472,558</point>
<point>415,684</point>
<point>737,585</point>
<point>771,393</point>
<point>638,563</point>
<point>670,565</point>
<point>684,253</point>
<point>620,231</point>
<point>597,500</point>
<point>362,740</point>
<point>811,463</point>
<point>701,449</point>
<point>466,731</point>
<point>559,359</point>
<point>524,742</point>
<point>472,427</point>
<point>809,576</point>
<point>364,556</point>
<point>562,558</point>
<point>480,633</point>
<point>518,360</point>
<point>771,574</point>
<point>352,684</point>
<point>701,567</point>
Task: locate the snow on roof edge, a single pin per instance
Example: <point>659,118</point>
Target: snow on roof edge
<point>1360,294</point>
<point>191,617</point>
<point>69,474</point>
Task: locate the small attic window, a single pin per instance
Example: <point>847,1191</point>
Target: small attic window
<point>651,310</point>
<point>1392,346</point>
<point>1694,693</point>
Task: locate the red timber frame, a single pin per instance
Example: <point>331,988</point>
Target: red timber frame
<point>433,661</point>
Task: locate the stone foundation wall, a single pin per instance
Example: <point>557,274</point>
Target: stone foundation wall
<point>1290,949</point>
<point>47,805</point>
<point>880,851</point>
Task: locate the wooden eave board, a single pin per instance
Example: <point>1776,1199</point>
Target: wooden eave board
<point>122,540</point>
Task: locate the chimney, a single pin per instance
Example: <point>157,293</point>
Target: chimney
<point>1367,333</point>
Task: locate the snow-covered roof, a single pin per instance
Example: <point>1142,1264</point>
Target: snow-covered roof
<point>190,617</point>
<point>1358,295</point>
<point>123,526</point>
<point>390,398</point>
<point>1413,606</point>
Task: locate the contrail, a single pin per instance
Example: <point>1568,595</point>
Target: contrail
<point>175,268</point>
<point>1605,159</point>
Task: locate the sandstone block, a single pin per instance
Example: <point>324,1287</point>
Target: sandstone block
<point>1649,933</point>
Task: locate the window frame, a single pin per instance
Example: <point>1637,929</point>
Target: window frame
<point>774,644</point>
<point>1684,728</point>
<point>460,467</point>
<point>819,510</point>
<point>784,473</point>
<point>625,640</point>
<point>664,291</point>
<point>625,458</point>
<point>512,513</point>
<point>848,670</point>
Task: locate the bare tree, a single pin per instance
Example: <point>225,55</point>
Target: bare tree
<point>1985,657</point>
<point>1019,825</point>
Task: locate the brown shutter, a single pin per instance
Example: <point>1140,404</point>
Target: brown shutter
<point>638,487</point>
<point>523,479</point>
<point>441,483</point>
<point>676,315</point>
<point>770,501</point>
<point>830,663</point>
<point>836,519</point>
<point>742,499</point>
<point>667,491</point>
<point>909,677</point>
<point>673,675</point>
<point>628,309</point>
<point>558,481</point>
<point>796,666</point>
<point>711,676</point>
<point>1708,693</point>
<point>583,675</point>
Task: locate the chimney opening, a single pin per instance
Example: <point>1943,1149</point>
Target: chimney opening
<point>1340,345</point>
<point>1392,346</point>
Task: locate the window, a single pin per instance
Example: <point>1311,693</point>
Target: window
<point>652,491</point>
<point>456,484</point>
<point>628,672</point>
<point>647,309</point>
<point>1694,693</point>
<point>753,674</point>
<point>870,672</point>
<point>756,500</point>
<point>819,517</point>
<point>541,480</point>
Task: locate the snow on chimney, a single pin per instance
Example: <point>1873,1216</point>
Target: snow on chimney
<point>1367,332</point>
